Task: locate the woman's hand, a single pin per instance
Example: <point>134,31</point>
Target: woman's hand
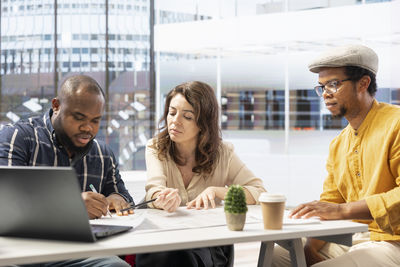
<point>208,195</point>
<point>168,199</point>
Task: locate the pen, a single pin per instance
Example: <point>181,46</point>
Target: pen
<point>138,205</point>
<point>95,191</point>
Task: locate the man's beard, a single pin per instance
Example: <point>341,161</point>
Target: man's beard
<point>63,138</point>
<point>341,114</point>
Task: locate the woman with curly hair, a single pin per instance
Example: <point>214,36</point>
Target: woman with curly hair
<point>188,164</point>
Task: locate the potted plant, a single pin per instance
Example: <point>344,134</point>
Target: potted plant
<point>235,208</point>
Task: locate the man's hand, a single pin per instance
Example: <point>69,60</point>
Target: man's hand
<point>208,195</point>
<point>168,199</point>
<point>117,203</point>
<point>324,210</point>
<point>96,204</point>
<point>333,211</point>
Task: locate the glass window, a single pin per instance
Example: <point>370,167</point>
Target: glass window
<point>261,76</point>
<point>24,66</point>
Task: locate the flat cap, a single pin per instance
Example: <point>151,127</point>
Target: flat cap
<point>350,55</point>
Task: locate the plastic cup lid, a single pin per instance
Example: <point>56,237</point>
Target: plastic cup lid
<point>271,197</point>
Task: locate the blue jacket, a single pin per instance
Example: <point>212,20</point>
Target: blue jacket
<point>32,142</point>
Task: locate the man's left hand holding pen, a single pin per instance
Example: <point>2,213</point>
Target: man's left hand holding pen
<point>98,205</point>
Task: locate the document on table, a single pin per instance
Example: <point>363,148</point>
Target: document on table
<point>151,220</point>
<point>290,221</point>
<point>133,220</point>
<point>148,220</point>
<point>286,220</point>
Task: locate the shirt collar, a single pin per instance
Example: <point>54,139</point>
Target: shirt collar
<point>370,115</point>
<point>50,128</point>
<point>47,118</point>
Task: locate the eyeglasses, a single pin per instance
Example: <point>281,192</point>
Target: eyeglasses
<point>330,87</point>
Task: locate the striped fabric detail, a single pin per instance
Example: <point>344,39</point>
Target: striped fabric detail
<point>113,175</point>
<point>52,142</point>
<point>102,163</point>
<point>37,144</point>
<point>85,172</point>
<point>33,142</point>
<point>12,147</point>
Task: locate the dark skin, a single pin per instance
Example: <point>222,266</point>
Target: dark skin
<point>354,98</point>
<point>76,116</point>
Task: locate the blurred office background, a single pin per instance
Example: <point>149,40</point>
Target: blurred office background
<point>253,52</point>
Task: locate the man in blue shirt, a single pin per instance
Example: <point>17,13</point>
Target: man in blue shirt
<point>65,136</point>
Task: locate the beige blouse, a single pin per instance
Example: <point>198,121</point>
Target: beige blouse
<point>230,170</point>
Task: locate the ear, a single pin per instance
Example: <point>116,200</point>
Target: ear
<point>363,83</point>
<point>55,104</point>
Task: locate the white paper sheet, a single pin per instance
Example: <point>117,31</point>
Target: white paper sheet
<point>133,220</point>
<point>158,220</point>
<point>152,220</point>
<point>286,220</point>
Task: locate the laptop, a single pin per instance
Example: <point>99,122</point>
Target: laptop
<point>46,202</point>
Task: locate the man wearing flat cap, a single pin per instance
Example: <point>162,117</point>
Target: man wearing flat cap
<point>363,181</point>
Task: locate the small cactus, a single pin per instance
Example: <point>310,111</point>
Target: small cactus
<point>235,200</point>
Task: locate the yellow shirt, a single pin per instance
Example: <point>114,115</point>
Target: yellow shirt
<point>229,170</point>
<point>365,164</point>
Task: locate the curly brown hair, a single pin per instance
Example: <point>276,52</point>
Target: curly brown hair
<point>202,98</point>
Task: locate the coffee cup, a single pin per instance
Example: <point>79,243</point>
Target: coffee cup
<point>272,206</point>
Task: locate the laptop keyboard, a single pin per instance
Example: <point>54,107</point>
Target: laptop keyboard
<point>101,230</point>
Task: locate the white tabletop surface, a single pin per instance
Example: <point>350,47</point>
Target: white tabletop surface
<point>20,250</point>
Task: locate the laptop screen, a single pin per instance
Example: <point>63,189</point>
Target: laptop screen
<point>42,202</point>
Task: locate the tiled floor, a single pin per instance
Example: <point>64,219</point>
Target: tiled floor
<point>246,254</point>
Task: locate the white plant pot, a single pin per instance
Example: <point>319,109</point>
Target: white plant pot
<point>235,222</point>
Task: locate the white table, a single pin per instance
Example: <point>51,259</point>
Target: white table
<point>20,251</point>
